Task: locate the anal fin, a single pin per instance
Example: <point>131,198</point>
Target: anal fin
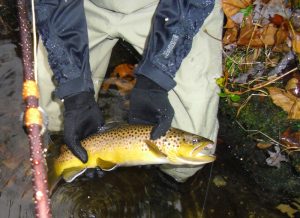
<point>72,173</point>
<point>106,165</point>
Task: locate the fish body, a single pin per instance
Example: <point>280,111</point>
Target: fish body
<point>130,145</point>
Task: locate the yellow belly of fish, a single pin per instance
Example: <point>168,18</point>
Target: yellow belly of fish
<point>125,156</point>
<point>108,157</point>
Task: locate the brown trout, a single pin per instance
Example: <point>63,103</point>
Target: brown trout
<point>129,145</point>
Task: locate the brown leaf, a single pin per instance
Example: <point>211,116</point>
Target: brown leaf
<point>124,86</point>
<point>281,35</point>
<point>249,34</point>
<point>230,35</point>
<point>257,37</point>
<point>293,87</point>
<point>296,42</point>
<point>231,7</point>
<point>277,19</point>
<point>123,70</point>
<point>263,145</point>
<point>290,139</point>
<point>230,24</point>
<point>268,34</point>
<point>286,101</point>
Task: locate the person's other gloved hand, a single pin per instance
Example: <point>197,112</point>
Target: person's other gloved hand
<point>82,117</point>
<point>149,104</point>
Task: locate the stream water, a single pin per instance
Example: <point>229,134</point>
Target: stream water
<point>221,189</point>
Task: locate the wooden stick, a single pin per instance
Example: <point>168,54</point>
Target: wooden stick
<point>33,118</point>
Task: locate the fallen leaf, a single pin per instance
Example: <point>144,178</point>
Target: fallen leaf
<point>281,35</point>
<point>293,87</point>
<point>287,209</point>
<point>276,157</point>
<point>123,70</point>
<point>263,145</point>
<point>122,77</point>
<point>257,36</point>
<point>290,139</point>
<point>230,35</point>
<point>248,32</point>
<point>124,86</point>
<point>268,34</point>
<point>288,102</point>
<point>282,48</point>
<point>277,19</point>
<point>231,7</point>
<point>229,24</point>
<point>296,42</point>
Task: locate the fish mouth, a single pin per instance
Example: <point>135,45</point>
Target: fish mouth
<point>202,149</point>
<point>198,160</point>
<point>201,154</point>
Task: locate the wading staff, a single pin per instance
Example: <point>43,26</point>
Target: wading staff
<point>33,117</point>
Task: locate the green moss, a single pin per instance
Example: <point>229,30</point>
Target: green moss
<point>261,114</point>
<point>295,161</point>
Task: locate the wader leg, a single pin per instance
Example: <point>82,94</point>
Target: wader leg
<point>195,97</point>
<point>100,44</point>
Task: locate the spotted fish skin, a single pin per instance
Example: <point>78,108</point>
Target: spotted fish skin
<point>130,145</point>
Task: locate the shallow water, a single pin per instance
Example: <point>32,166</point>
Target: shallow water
<point>15,180</point>
<point>219,190</point>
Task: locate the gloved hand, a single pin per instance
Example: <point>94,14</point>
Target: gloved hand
<point>82,117</point>
<point>149,104</point>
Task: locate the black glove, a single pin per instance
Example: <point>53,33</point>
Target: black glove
<point>149,104</point>
<point>82,117</point>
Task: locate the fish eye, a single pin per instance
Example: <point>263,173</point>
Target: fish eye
<point>195,141</point>
<point>191,139</point>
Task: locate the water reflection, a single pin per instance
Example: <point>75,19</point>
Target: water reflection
<point>125,192</point>
<point>146,192</point>
<point>15,178</point>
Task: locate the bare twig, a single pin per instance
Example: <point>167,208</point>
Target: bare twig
<point>257,131</point>
<point>33,118</point>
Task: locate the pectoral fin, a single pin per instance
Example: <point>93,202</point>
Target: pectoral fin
<point>106,165</point>
<point>72,173</point>
<point>153,148</point>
